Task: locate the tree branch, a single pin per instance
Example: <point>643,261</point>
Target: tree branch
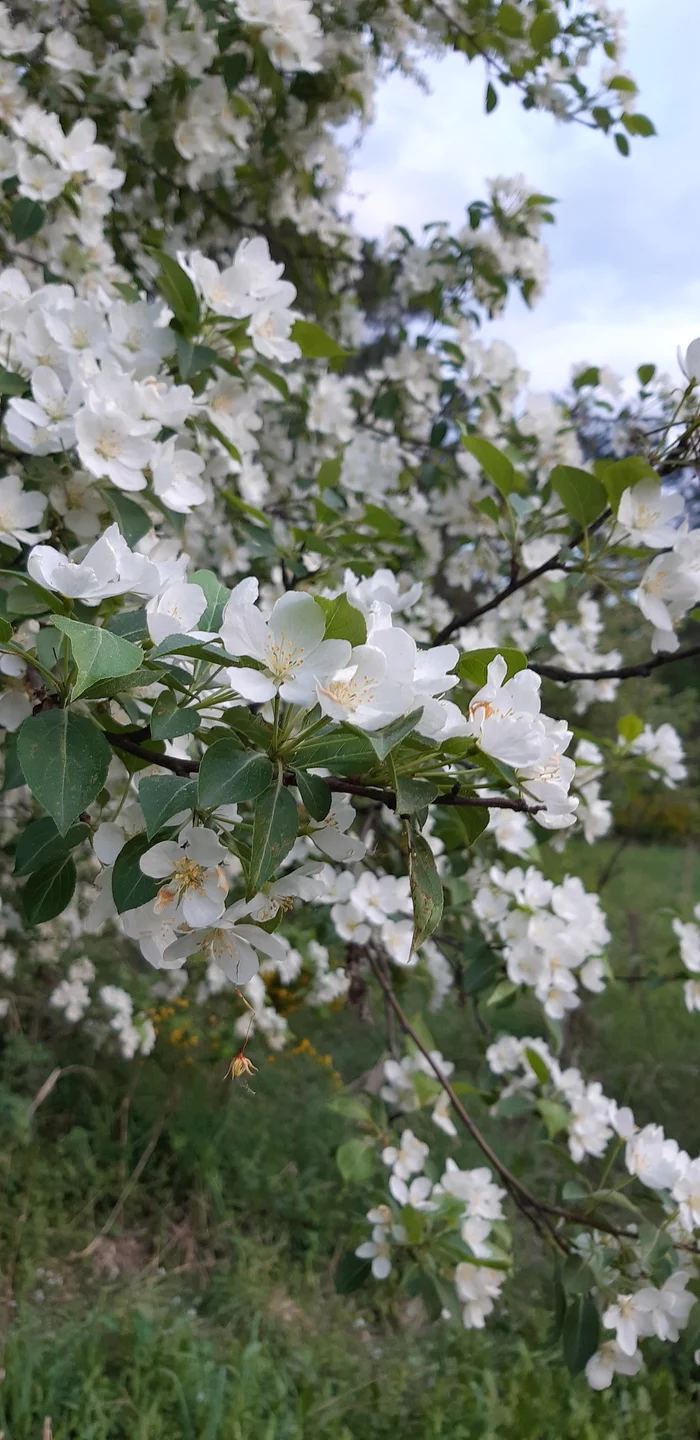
<point>180,765</point>
<point>522,1197</point>
<point>458,621</point>
<point>626,672</point>
<point>533,1209</point>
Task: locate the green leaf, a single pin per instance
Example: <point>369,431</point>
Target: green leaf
<point>385,524</point>
<point>543,30</point>
<point>162,796</point>
<point>41,842</point>
<point>426,888</point>
<point>589,376</point>
<point>509,20</point>
<point>491,98</point>
<point>355,1159</point>
<point>233,69</point>
<point>316,796</point>
<point>639,125</point>
<point>413,1222</point>
<point>277,382</point>
<point>620,475</point>
<point>195,649</point>
<point>274,831</point>
<point>179,292</point>
<point>121,685</point>
<point>191,359</point>
<point>581,1331</point>
<point>413,795</point>
<point>99,654</point>
<point>22,601</point>
<point>216,597</point>
<point>344,752</point>
<point>488,507</point>
<point>472,821</point>
<point>130,624</point>
<point>646,374</point>
<point>56,603</point>
<point>49,890</point>
<point>314,343</point>
<point>473,664</point>
<point>581,493</point>
<point>5,630</point>
<point>539,1066</point>
<point>577,1276</point>
<point>12,771</point>
<point>229,775</point>
<point>497,466</point>
<point>350,1107</point>
<point>622,143</point>
<point>132,519</point>
<point>602,117</point>
<point>629,727</point>
<point>129,293</point>
<point>383,741</point>
<point>555,1116</point>
<point>351,1273</point>
<point>503,994</point>
<point>343,620</point>
<point>169,720</point>
<point>130,887</point>
<point>12,384</point>
<point>26,218</point>
<point>329,472</point>
<point>623,83</point>
<point>64,760</point>
<point>250,727</point>
<point>479,975</point>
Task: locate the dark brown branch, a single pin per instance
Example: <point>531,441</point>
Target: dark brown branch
<point>513,586</point>
<point>625,672</point>
<point>180,765</point>
<point>523,1198</point>
<point>535,1210</point>
<point>342,786</point>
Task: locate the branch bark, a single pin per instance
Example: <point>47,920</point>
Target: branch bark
<point>625,672</point>
<point>513,586</point>
<point>338,784</point>
<point>534,1210</point>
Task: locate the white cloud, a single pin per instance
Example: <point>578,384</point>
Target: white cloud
<point>625,278</point>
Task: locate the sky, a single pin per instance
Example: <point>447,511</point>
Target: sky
<point>624,285</point>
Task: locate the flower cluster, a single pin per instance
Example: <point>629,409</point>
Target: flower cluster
<point>467,1199</point>
<point>688,934</point>
<point>552,936</point>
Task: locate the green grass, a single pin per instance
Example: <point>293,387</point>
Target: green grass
<point>259,1363</point>
<point>221,1321</point>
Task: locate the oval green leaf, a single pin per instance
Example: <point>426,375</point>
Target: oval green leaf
<point>64,760</point>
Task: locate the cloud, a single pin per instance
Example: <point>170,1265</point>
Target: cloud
<point>625,278</point>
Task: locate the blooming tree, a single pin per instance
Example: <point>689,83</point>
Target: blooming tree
<point>287,552</point>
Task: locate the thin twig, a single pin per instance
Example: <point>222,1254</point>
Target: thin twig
<point>625,672</point>
<point>523,1198</point>
<point>53,1079</point>
<point>458,621</point>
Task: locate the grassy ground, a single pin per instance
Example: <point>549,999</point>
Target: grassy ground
<point>207,1310</point>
